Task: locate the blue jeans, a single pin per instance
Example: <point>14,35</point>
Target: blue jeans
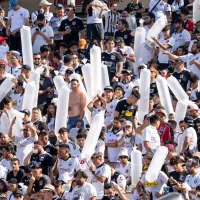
<point>72,121</point>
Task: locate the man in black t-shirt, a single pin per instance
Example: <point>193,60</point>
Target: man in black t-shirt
<point>71,27</point>
<point>37,181</point>
<point>128,108</point>
<point>112,59</point>
<point>42,158</point>
<point>124,32</point>
<point>184,76</point>
<point>16,171</point>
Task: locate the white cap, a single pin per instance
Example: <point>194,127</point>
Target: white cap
<point>193,107</point>
<point>45,2</point>
<point>123,152</point>
<point>54,100</point>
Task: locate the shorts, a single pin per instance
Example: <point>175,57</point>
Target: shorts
<point>72,121</point>
<point>95,31</point>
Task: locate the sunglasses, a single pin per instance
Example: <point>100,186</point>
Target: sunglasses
<point>121,157</point>
<point>37,58</point>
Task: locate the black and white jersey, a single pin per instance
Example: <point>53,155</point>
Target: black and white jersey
<point>111,21</point>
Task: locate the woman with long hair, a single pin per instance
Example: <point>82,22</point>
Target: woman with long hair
<point>51,116</point>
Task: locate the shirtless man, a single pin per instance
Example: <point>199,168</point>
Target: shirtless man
<point>77,105</point>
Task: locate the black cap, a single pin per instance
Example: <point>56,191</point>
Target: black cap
<point>26,111</point>
<point>63,145</point>
<point>26,67</point>
<point>188,120</point>
<point>13,181</point>
<point>40,17</point>
<point>109,88</point>
<point>67,58</point>
<point>178,60</point>
<point>166,28</point>
<point>126,71</point>
<point>119,40</point>
<point>17,192</point>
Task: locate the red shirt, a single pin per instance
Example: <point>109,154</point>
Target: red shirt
<point>188,25</point>
<point>164,132</point>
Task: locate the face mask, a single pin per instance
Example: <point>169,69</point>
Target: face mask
<point>53,140</point>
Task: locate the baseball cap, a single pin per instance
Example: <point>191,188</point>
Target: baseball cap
<point>26,67</point>
<point>3,38</point>
<point>193,107</point>
<point>13,181</point>
<point>26,111</point>
<point>178,60</point>
<point>48,187</point>
<point>126,71</point>
<point>123,152</point>
<point>188,120</point>
<point>39,142</point>
<point>128,123</point>
<point>119,40</point>
<point>40,17</point>
<point>119,86</point>
<point>12,4</point>
<point>45,3</point>
<point>170,146</point>
<point>15,53</point>
<point>109,88</point>
<point>59,5</point>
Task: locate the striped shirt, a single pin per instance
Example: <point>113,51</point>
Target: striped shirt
<point>111,21</point>
<point>55,24</point>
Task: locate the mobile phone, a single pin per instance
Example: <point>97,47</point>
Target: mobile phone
<point>37,29</point>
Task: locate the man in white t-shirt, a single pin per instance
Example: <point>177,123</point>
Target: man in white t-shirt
<point>42,34</point>
<point>67,165</point>
<point>83,190</point>
<point>127,53</point>
<point>189,136</point>
<point>44,9</point>
<point>160,8</point>
<point>112,139</point>
<point>24,143</point>
<point>17,17</point>
<point>101,174</point>
<point>192,180</point>
<point>150,136</point>
<point>182,36</point>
